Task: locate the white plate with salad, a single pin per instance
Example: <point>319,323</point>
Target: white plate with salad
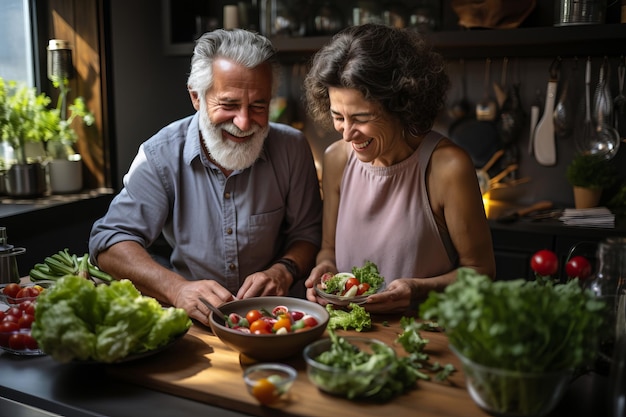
<point>344,288</point>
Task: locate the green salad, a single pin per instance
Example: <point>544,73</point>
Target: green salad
<point>363,280</point>
<point>77,320</point>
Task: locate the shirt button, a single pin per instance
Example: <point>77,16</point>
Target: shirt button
<point>232,267</point>
<point>227,195</point>
<point>229,231</point>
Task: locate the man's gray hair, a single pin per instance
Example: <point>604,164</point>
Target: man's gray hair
<point>243,47</point>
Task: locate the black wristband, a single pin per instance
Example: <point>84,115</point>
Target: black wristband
<point>291,266</point>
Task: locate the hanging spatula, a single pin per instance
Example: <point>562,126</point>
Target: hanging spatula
<point>544,144</point>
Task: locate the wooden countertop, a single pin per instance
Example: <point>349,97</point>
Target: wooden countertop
<point>200,367</point>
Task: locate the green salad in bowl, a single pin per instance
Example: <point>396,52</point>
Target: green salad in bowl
<point>344,288</point>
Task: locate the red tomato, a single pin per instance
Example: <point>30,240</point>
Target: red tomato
<point>2,314</point>
<point>30,342</point>
<point>309,321</point>
<point>27,292</point>
<point>364,286</point>
<point>16,341</point>
<point>253,315</point>
<point>260,326</point>
<point>11,290</point>
<point>11,318</point>
<point>351,282</point>
<point>578,267</point>
<point>26,321</point>
<point>544,262</point>
<point>13,311</point>
<point>8,327</point>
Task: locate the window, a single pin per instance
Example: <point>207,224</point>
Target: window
<point>16,41</point>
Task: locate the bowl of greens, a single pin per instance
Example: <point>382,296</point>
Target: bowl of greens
<point>354,287</point>
<point>349,366</point>
<point>519,341</point>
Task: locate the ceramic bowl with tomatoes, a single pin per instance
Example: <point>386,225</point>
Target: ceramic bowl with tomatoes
<point>269,328</point>
<point>15,294</point>
<point>15,324</point>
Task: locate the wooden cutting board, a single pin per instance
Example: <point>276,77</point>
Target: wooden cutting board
<point>200,367</point>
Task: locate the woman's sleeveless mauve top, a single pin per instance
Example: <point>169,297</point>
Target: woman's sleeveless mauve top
<point>385,217</point>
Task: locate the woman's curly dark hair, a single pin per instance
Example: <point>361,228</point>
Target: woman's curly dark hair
<point>393,67</point>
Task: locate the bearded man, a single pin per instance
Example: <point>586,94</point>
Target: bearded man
<point>235,197</point>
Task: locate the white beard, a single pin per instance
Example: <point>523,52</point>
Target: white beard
<point>231,155</point>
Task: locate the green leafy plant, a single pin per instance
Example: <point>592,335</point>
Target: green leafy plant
<point>26,116</point>
<point>591,171</point>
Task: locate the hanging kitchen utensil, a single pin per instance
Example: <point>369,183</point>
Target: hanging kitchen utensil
<point>564,110</point>
<point>535,110</point>
<point>500,89</point>
<point>483,173</point>
<point>461,108</point>
<point>486,109</point>
<point>544,143</point>
<point>607,137</point>
<point>619,104</point>
<point>511,117</point>
<point>585,136</point>
<point>602,101</point>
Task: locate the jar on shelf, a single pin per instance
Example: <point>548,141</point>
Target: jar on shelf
<point>609,285</point>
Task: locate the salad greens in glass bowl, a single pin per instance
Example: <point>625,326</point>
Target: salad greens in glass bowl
<point>520,341</point>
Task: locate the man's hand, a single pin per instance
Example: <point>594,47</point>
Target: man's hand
<point>189,293</point>
<point>273,281</point>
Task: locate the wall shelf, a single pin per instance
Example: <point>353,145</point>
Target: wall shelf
<point>580,40</point>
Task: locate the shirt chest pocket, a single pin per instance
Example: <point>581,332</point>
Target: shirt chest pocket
<point>265,230</point>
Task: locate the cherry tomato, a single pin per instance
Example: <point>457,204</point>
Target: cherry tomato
<point>351,282</point>
<point>2,314</point>
<point>364,286</point>
<point>13,311</point>
<point>11,318</point>
<point>265,392</point>
<point>578,267</point>
<point>253,315</point>
<point>16,341</point>
<point>544,262</point>
<point>260,326</point>
<point>309,321</point>
<point>27,292</point>
<point>284,322</point>
<point>30,342</point>
<point>26,321</point>
<point>11,290</point>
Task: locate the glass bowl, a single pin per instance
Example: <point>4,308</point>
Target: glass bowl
<point>341,381</point>
<point>269,382</point>
<point>506,393</point>
<point>16,300</point>
<point>342,301</point>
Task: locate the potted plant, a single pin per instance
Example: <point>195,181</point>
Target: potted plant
<point>589,175</point>
<point>26,118</point>
<point>21,113</point>
<point>65,166</point>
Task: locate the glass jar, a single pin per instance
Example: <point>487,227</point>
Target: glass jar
<point>609,284</point>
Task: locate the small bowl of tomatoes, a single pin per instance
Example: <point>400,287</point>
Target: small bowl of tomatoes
<point>269,328</point>
<point>345,288</point>
<point>15,294</point>
<point>15,324</point>
<point>269,383</point>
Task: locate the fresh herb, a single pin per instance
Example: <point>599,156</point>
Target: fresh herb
<point>355,317</point>
<point>369,274</point>
<point>519,325</point>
